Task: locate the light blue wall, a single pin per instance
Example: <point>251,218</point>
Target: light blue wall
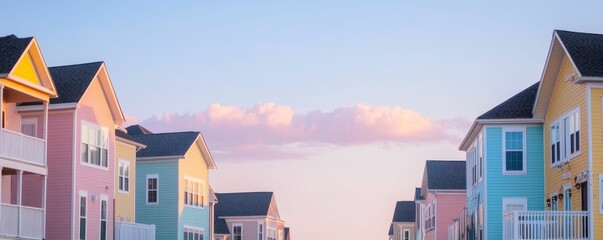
<point>194,217</point>
<point>530,185</point>
<point>165,214</point>
<point>477,194</point>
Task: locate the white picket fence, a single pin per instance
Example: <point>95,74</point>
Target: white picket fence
<point>134,231</point>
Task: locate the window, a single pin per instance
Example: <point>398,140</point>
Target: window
<point>514,204</point>
<point>406,234</point>
<point>260,231</point>
<point>271,234</point>
<point>95,142</point>
<point>430,217</point>
<point>152,189</point>
<point>103,219</point>
<point>237,232</point>
<point>124,176</point>
<point>193,233</point>
<point>567,198</point>
<point>481,221</point>
<point>565,138</point>
<point>29,126</point>
<point>83,196</point>
<point>480,150</point>
<point>514,151</point>
<point>194,193</point>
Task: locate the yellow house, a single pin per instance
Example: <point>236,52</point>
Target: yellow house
<point>569,102</point>
<point>125,177</point>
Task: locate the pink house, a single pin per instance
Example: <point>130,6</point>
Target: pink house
<point>443,196</point>
<point>81,154</point>
<point>248,215</point>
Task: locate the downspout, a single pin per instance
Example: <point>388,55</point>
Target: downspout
<point>591,193</point>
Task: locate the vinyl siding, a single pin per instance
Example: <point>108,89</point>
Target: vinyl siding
<point>448,207</point>
<point>94,108</point>
<point>499,185</point>
<point>597,150</point>
<point>399,228</point>
<point>60,172</point>
<point>193,166</point>
<point>164,214</point>
<point>566,97</point>
<point>124,202</point>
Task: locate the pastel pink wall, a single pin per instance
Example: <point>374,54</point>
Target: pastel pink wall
<point>251,228</point>
<point>93,108</point>
<point>448,206</point>
<point>60,184</point>
<point>430,235</point>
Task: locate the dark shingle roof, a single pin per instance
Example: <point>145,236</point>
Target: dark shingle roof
<point>11,49</point>
<point>391,230</point>
<point>418,195</point>
<point>124,135</point>
<point>445,175</point>
<point>518,106</point>
<point>71,81</point>
<point>164,144</point>
<point>405,211</point>
<point>138,130</point>
<point>586,51</point>
<point>240,204</point>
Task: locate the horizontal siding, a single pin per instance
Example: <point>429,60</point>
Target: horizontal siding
<point>530,185</point>
<point>165,214</point>
<point>193,166</point>
<point>448,207</point>
<point>597,150</point>
<point>124,202</point>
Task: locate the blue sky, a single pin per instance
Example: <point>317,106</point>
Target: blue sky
<point>442,60</point>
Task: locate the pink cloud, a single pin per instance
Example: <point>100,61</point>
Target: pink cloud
<point>273,131</point>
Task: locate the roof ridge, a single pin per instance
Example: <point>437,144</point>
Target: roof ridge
<point>78,64</point>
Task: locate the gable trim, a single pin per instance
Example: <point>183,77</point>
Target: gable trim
<point>200,143</point>
<point>47,79</point>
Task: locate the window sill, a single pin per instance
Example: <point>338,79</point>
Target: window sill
<point>194,207</point>
<point>155,203</point>
<point>514,173</point>
<point>94,166</point>
<point>123,192</point>
<point>567,161</point>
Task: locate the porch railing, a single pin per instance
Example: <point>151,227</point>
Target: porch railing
<point>134,231</point>
<point>22,147</point>
<point>549,225</point>
<point>30,224</point>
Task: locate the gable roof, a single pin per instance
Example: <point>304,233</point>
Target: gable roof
<point>138,130</point>
<point>418,195</point>
<point>240,205</point>
<point>390,232</point>
<point>518,106</point>
<point>11,50</point>
<point>72,81</point>
<point>405,211</point>
<point>445,175</point>
<point>125,137</point>
<point>585,51</point>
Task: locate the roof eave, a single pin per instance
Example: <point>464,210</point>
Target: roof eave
<point>479,123</point>
<point>128,141</point>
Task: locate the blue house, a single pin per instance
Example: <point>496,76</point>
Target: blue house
<point>504,150</point>
<point>172,184</point>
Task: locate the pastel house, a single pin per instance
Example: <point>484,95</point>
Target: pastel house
<point>403,222</point>
<point>172,184</point>
<point>248,215</point>
<point>443,194</point>
<point>504,149</point>
<point>24,78</point>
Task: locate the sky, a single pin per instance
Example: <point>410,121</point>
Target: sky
<point>332,105</point>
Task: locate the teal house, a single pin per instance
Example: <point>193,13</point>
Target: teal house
<point>172,184</point>
<point>504,150</point>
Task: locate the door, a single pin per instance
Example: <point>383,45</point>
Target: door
<point>584,203</point>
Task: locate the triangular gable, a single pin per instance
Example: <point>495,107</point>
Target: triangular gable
<point>200,143</point>
<point>111,98</point>
<point>31,70</point>
<point>273,209</point>
<point>550,74</point>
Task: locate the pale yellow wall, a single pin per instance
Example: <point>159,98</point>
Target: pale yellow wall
<point>193,166</point>
<point>399,230</point>
<point>596,99</point>
<point>125,202</point>
<point>26,70</point>
<point>566,97</point>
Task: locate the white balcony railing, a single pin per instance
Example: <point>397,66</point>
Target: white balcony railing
<point>22,147</point>
<point>541,225</point>
<point>29,225</point>
<point>134,231</point>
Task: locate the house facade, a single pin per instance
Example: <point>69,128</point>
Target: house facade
<point>24,78</point>
<point>443,191</point>
<point>172,183</point>
<point>81,152</point>
<point>249,215</point>
<point>403,222</point>
<point>125,177</point>
<point>504,171</point>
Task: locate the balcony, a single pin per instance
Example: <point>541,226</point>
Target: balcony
<point>134,231</point>
<point>21,147</point>
<point>541,225</point>
<point>21,221</point>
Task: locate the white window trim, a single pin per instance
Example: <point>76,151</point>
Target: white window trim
<point>261,230</point>
<point>193,228</point>
<point>100,216</point>
<point>514,201</point>
<point>237,225</point>
<point>600,194</point>
<point>203,192</point>
<point>28,121</point>
<point>149,176</point>
<point>524,151</point>
<point>83,194</point>
<point>127,163</point>
<point>480,157</point>
<point>559,122</point>
<point>102,129</point>
<point>404,233</point>
<point>270,230</point>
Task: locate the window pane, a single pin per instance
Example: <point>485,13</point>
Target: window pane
<point>84,152</point>
<point>514,161</point>
<point>126,184</point>
<point>105,157</point>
